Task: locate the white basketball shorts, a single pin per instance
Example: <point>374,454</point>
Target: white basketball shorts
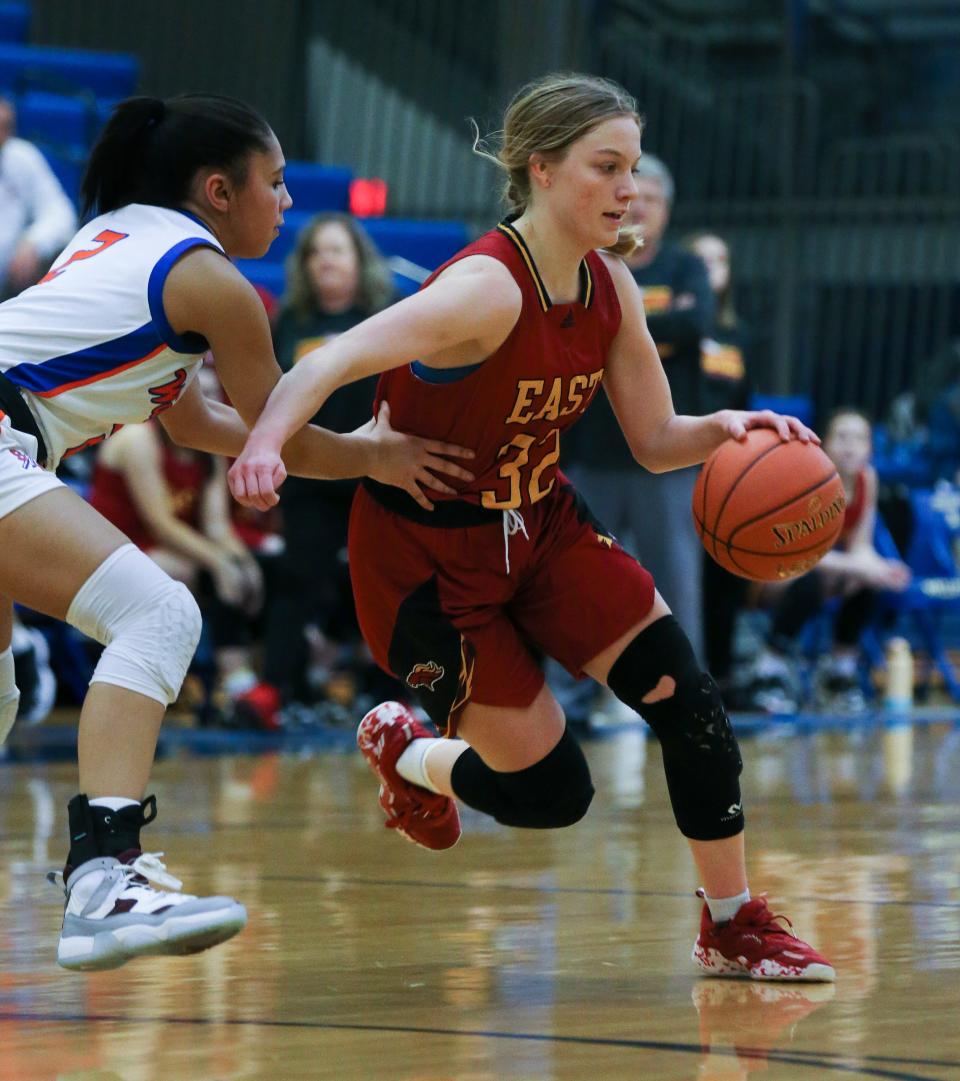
<point>21,479</point>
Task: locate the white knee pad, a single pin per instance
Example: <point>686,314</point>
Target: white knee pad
<point>9,695</point>
<point>149,624</point>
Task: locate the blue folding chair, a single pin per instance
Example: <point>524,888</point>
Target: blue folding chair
<point>934,592</point>
<point>922,609</point>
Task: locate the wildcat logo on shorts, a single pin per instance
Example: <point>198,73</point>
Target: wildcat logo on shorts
<point>426,675</point>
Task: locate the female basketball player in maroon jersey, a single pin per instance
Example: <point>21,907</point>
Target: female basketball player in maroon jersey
<point>512,338</point>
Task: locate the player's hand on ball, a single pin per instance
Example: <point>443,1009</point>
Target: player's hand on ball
<point>737,422</point>
<point>256,475</point>
<point>411,463</point>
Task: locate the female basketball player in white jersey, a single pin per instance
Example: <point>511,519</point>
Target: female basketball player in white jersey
<point>114,334</point>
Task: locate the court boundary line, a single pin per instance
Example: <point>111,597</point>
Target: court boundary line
<point>590,891</point>
<point>811,1059</point>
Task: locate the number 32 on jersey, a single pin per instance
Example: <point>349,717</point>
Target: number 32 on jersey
<point>525,458</point>
<point>512,470</point>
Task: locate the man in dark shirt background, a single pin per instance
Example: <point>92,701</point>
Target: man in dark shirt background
<point>650,514</point>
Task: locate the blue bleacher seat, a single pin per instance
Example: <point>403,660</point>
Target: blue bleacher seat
<point>269,276</point>
<point>14,22</point>
<point>54,119</point>
<point>24,67</point>
<point>316,187</point>
<point>426,243</point>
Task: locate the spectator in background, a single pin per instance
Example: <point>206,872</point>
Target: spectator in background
<point>943,414</point>
<point>724,385</point>
<point>173,503</point>
<point>650,515</point>
<point>36,217</point>
<point>336,277</point>
<point>36,681</point>
<point>853,570</point>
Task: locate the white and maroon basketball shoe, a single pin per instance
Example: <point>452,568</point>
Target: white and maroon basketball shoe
<point>754,946</point>
<point>422,816</point>
<point>114,914</point>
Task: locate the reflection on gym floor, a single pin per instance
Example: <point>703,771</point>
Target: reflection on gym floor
<point>516,956</point>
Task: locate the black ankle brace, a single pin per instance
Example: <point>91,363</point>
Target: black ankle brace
<point>98,831</point>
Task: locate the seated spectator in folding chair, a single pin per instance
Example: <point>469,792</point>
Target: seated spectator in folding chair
<point>930,540</point>
<point>943,431</point>
<point>854,572</point>
<point>36,217</point>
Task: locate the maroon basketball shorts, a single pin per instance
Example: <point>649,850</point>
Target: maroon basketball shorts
<point>440,611</point>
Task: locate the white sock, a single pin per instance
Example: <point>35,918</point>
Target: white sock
<point>114,803</point>
<point>412,764</point>
<point>725,908</point>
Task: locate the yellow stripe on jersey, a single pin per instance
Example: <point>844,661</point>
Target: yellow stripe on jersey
<point>587,285</point>
<point>508,230</point>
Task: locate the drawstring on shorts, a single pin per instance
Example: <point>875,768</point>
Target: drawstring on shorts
<point>513,523</point>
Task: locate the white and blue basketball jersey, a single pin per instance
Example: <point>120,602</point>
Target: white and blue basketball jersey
<point>90,345</point>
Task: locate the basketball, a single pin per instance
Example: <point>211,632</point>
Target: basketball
<point>768,510</point>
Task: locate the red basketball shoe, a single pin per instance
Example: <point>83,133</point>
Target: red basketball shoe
<point>755,946</point>
<point>422,816</point>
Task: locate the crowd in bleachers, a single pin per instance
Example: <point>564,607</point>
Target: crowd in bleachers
<point>281,644</point>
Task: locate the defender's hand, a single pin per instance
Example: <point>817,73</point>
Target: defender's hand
<point>411,463</point>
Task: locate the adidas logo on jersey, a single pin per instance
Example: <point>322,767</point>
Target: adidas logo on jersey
<point>568,321</point>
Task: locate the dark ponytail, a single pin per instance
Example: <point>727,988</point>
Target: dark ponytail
<point>150,150</point>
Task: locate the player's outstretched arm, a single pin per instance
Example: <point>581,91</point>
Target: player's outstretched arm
<point>205,293</point>
<point>639,392</point>
<point>461,318</point>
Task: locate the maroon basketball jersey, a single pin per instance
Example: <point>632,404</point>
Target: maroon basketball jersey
<point>512,409</point>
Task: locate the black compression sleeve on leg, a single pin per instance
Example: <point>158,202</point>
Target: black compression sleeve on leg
<point>554,792</point>
<point>700,754</point>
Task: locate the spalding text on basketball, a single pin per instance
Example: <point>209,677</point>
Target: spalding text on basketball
<point>788,532</point>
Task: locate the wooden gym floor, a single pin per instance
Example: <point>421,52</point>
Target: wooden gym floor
<point>517,956</point>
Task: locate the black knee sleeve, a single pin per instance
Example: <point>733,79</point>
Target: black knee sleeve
<point>556,791</point>
<point>700,754</point>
